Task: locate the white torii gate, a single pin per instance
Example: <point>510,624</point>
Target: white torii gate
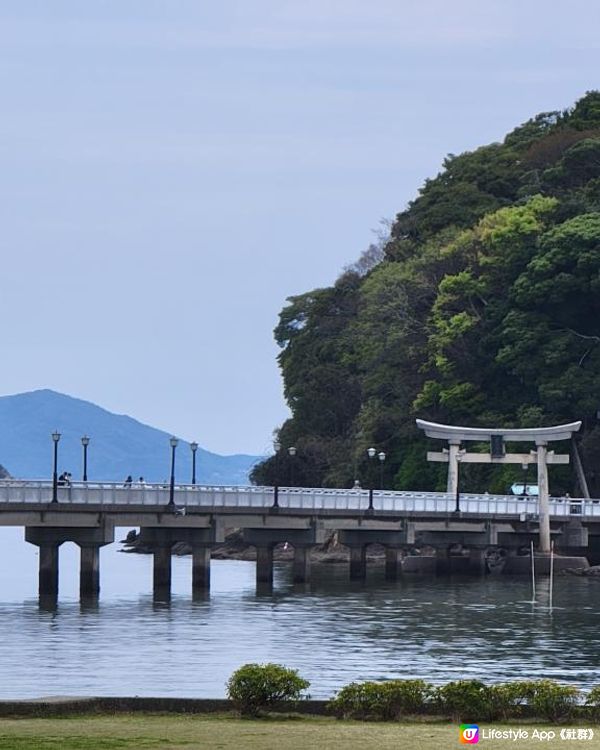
<point>455,436</point>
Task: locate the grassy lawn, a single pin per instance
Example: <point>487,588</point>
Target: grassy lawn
<point>168,732</point>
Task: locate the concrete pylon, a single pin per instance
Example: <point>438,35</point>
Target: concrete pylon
<point>89,571</point>
<point>301,564</point>
<point>477,562</point>
<point>200,569</point>
<point>48,571</point>
<point>162,572</point>
<point>358,562</point>
<point>264,565</point>
<point>393,558</point>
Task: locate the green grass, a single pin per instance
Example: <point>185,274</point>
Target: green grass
<point>168,732</point>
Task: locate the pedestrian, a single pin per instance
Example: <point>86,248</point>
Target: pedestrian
<point>141,480</point>
<point>128,481</point>
<point>62,480</point>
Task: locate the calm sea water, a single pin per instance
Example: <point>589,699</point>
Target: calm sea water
<point>333,631</point>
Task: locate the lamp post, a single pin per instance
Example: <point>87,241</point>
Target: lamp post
<point>277,447</point>
<point>292,451</point>
<point>85,441</point>
<point>525,467</point>
<point>173,441</point>
<point>381,457</point>
<point>371,453</point>
<point>457,507</point>
<point>55,439</point>
<point>194,448</point>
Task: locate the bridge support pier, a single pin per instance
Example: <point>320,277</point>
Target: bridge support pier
<point>301,565</point>
<point>264,565</point>
<point>393,559</point>
<point>48,571</point>
<point>200,569</point>
<point>89,539</point>
<point>358,562</point>
<point>264,541</point>
<point>162,572</point>
<point>89,571</point>
<point>477,564</point>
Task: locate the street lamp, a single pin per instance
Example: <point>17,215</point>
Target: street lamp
<point>292,451</point>
<point>371,453</point>
<point>85,441</point>
<point>457,507</point>
<point>194,448</point>
<point>381,457</point>
<point>277,448</point>
<point>55,439</point>
<point>525,467</point>
<point>173,441</point>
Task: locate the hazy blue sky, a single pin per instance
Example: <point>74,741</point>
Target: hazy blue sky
<point>172,171</point>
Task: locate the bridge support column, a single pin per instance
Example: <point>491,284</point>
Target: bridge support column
<point>358,562</point>
<point>200,569</point>
<point>89,539</point>
<point>264,565</point>
<point>393,558</point>
<point>442,560</point>
<point>162,572</point>
<point>477,564</point>
<point>48,571</point>
<point>89,572</point>
<point>301,565</point>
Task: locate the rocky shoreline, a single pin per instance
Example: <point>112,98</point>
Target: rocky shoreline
<point>234,548</point>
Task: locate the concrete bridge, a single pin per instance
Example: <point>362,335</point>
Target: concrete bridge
<point>88,513</point>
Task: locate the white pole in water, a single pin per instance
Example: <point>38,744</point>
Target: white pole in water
<point>532,576</point>
<point>551,573</point>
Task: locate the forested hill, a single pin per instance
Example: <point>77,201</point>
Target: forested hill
<point>483,308</point>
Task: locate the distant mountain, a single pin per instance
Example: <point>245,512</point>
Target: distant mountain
<point>119,445</point>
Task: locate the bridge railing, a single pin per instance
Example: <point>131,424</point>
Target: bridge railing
<point>302,498</point>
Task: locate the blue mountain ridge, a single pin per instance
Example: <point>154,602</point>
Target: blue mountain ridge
<point>119,445</point>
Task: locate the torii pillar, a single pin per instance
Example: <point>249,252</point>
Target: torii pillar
<point>543,495</point>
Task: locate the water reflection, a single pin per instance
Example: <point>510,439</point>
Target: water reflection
<point>332,630</point>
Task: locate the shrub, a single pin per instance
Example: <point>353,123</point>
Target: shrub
<point>257,687</point>
<point>358,700</point>
<point>592,703</point>
<point>508,699</point>
<point>465,700</point>
<point>550,699</point>
<point>380,700</point>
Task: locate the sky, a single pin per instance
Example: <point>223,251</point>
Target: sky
<point>172,171</point>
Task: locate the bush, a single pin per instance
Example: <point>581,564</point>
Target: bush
<point>380,701</point>
<point>550,699</point>
<point>257,687</point>
<point>465,700</point>
<point>508,699</point>
<point>592,703</point>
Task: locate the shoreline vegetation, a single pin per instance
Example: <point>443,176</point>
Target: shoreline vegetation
<point>407,700</point>
<point>266,705</point>
<point>151,731</point>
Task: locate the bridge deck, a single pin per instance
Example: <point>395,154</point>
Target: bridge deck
<point>194,498</point>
